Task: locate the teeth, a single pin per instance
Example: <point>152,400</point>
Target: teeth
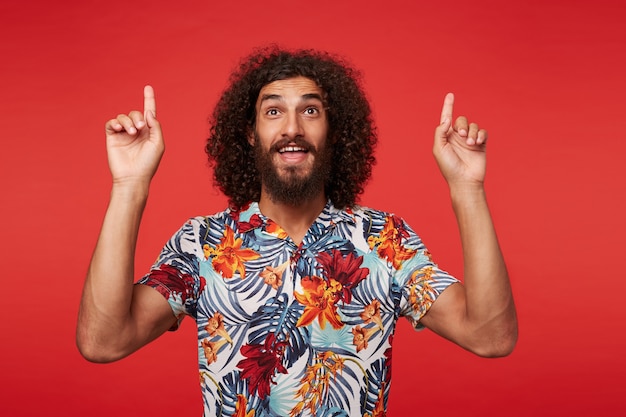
<point>292,149</point>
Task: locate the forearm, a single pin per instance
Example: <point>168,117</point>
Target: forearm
<point>105,310</point>
<point>490,310</point>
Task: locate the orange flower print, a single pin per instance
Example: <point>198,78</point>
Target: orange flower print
<point>422,275</point>
<point>389,243</point>
<point>315,384</point>
<point>240,407</point>
<point>420,299</point>
<point>420,289</point>
<point>274,276</point>
<point>371,313</point>
<point>211,349</point>
<point>297,410</point>
<point>361,337</point>
<point>228,256</point>
<point>274,229</point>
<point>215,326</point>
<point>319,300</point>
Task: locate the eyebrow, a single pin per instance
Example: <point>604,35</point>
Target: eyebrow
<point>304,97</point>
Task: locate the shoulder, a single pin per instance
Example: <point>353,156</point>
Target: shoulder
<point>363,212</point>
<point>204,220</point>
<point>199,225</point>
<point>378,217</point>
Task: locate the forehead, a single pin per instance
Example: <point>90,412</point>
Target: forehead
<point>295,87</point>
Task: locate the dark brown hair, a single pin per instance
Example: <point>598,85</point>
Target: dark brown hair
<point>352,133</point>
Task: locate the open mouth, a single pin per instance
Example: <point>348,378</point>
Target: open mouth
<point>286,149</point>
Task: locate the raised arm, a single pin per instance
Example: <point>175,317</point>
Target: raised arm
<point>116,317</point>
<point>479,315</point>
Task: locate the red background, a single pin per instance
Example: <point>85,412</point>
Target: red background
<point>545,78</point>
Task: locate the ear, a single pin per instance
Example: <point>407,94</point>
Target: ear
<point>251,138</point>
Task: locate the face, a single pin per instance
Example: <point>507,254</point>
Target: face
<point>290,140</point>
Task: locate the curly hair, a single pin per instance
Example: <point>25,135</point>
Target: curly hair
<point>352,132</point>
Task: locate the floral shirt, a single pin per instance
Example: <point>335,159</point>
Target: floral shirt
<point>287,330</point>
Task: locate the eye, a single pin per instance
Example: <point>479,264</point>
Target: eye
<point>272,112</point>
<point>311,111</point>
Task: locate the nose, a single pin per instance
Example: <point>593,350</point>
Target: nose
<point>292,126</point>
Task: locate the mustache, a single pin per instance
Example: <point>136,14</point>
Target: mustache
<point>298,141</point>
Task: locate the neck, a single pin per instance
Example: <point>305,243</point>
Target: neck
<point>295,220</point>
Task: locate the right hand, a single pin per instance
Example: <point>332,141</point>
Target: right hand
<point>459,148</point>
<point>135,143</point>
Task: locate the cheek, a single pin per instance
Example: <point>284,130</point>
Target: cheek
<point>319,134</point>
<point>264,133</point>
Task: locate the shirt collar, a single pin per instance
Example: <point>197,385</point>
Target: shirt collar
<point>249,218</point>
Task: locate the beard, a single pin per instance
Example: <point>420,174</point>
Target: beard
<point>292,187</point>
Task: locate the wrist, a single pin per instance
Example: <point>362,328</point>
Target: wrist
<point>130,189</point>
<point>467,193</point>
<point>466,188</point>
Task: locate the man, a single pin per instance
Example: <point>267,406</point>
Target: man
<point>295,289</point>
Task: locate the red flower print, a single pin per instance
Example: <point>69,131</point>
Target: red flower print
<point>255,221</point>
<point>236,212</point>
<point>345,270</point>
<point>261,363</point>
<point>176,281</point>
<point>388,357</point>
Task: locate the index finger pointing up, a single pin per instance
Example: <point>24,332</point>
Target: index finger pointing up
<point>149,102</point>
<point>448,104</point>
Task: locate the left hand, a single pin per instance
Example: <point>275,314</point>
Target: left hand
<point>459,149</point>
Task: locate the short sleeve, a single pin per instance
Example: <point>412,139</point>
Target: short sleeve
<point>175,274</point>
<point>421,280</point>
